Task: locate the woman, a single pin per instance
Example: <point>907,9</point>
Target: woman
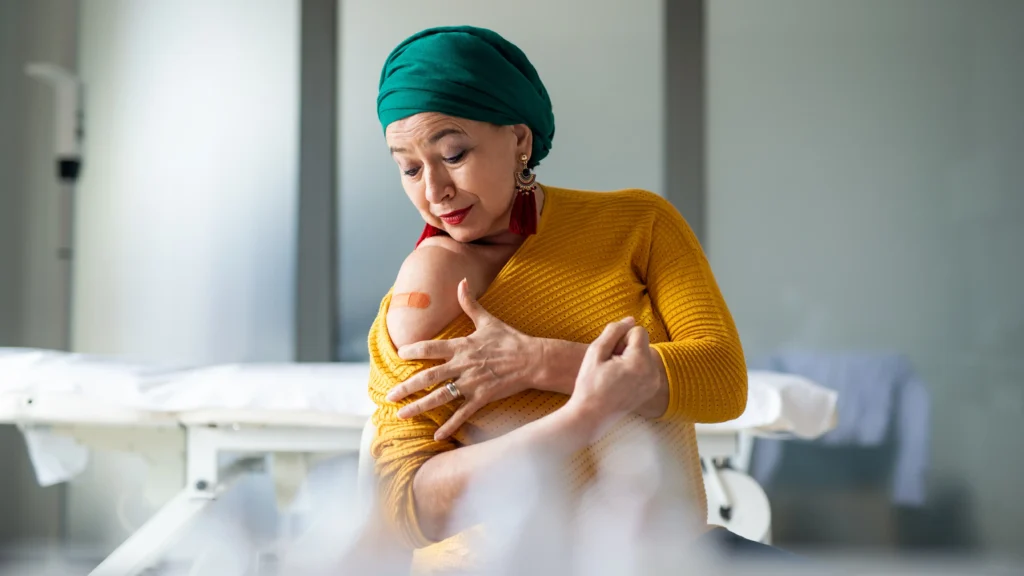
<point>477,348</point>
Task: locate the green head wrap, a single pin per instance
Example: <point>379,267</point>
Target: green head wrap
<point>470,73</point>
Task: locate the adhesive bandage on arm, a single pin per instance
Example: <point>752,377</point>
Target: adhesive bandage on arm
<point>411,300</point>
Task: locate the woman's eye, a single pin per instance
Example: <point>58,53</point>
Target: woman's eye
<point>411,172</point>
<point>456,158</point>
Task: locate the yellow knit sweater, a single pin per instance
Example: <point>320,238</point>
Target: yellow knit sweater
<point>596,258</point>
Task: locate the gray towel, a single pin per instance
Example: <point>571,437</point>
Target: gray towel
<point>875,390</point>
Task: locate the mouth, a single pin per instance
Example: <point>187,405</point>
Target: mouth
<point>455,218</point>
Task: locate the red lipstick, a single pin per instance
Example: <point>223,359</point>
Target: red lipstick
<point>455,218</point>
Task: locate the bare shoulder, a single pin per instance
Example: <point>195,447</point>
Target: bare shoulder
<point>424,298</point>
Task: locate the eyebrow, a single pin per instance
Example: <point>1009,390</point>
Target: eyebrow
<point>434,139</point>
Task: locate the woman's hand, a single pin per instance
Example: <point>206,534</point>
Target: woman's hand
<point>492,363</point>
<point>619,374</point>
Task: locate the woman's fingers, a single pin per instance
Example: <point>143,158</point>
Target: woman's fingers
<point>637,343</point>
<point>458,419</point>
<point>603,348</point>
<point>422,381</point>
<point>438,397</point>
<point>431,349</point>
<point>620,347</point>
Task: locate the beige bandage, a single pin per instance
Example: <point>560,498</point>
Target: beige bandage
<point>411,300</point>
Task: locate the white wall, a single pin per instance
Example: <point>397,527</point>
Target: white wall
<point>187,216</point>
<point>866,189</point>
<point>602,63</point>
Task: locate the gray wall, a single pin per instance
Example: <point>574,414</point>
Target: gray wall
<point>605,74</point>
<point>866,190</point>
<point>31,284</point>
<point>12,194</point>
<point>685,110</point>
<point>316,293</point>
<point>32,299</point>
<point>12,17</point>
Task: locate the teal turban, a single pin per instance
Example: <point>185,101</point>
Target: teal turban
<point>468,72</point>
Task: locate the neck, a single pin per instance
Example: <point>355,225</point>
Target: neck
<point>505,238</point>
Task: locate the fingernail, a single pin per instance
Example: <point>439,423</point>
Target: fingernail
<point>629,320</point>
<point>401,353</point>
<point>401,414</point>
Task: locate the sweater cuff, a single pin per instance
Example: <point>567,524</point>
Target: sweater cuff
<point>673,391</point>
<point>706,383</point>
<point>672,381</point>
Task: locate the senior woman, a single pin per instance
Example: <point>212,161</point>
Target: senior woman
<point>478,346</point>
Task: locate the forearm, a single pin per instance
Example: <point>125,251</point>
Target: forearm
<point>440,481</point>
<point>560,362</point>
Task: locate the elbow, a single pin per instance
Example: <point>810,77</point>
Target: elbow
<point>735,395</point>
<point>733,384</point>
<point>707,381</point>
<point>724,382</point>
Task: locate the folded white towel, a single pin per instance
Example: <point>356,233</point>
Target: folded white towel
<point>784,403</point>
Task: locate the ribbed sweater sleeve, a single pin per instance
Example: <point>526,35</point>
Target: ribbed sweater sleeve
<point>401,445</point>
<point>704,360</point>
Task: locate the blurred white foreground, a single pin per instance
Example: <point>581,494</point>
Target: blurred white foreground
<point>632,521</point>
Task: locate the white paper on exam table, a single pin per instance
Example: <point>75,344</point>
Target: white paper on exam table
<point>336,388</point>
<point>280,388</point>
<point>776,402</point>
<point>29,370</point>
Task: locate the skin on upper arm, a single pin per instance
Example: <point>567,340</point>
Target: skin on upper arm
<point>424,298</point>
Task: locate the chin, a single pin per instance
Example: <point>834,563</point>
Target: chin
<point>463,235</point>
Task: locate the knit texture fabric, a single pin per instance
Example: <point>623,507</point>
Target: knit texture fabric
<point>596,258</point>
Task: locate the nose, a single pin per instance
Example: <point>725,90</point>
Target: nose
<point>439,186</point>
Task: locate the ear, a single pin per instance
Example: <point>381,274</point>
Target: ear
<point>524,139</point>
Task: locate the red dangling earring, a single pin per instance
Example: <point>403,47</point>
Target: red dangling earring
<point>524,208</point>
<point>429,232</point>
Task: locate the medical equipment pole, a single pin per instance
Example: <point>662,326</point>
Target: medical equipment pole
<point>67,148</point>
<point>65,253</point>
<point>68,125</point>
